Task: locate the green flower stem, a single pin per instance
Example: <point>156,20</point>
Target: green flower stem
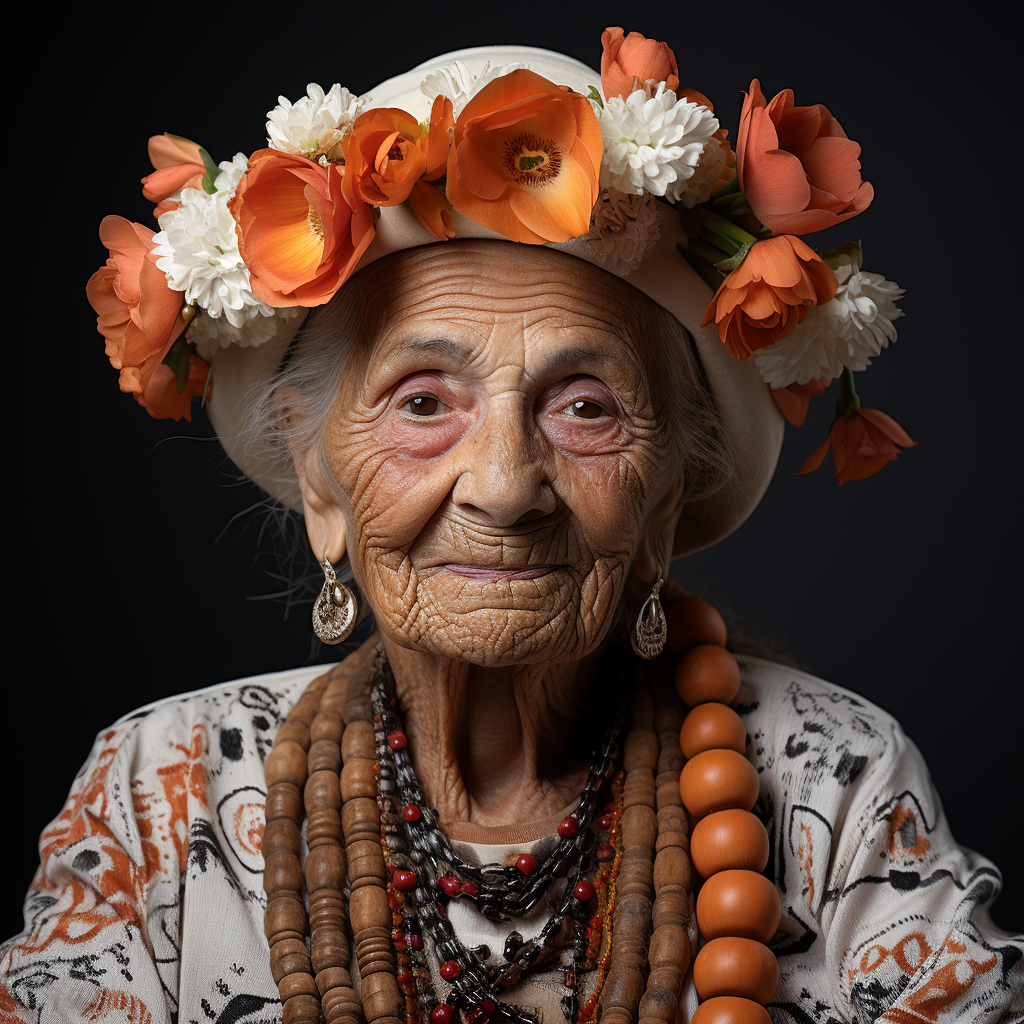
<point>725,246</point>
<point>705,268</point>
<point>729,187</point>
<point>724,226</point>
<point>848,402</point>
<point>701,248</point>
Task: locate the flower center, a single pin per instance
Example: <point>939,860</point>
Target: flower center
<point>532,160</point>
<point>316,225</point>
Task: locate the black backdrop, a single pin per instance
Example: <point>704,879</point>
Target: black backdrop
<point>137,557</point>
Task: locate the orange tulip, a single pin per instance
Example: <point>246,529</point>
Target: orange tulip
<point>160,397</point>
<point>635,56</point>
<point>794,400</point>
<point>297,234</point>
<point>861,444</point>
<point>432,210</point>
<point>525,160</point>
<point>797,169</point>
<point>768,294</point>
<point>178,165</point>
<point>382,157</point>
<point>138,315</point>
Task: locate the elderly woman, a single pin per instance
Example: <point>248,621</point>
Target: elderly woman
<point>543,789</point>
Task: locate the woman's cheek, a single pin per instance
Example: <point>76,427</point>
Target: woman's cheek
<point>607,495</point>
<point>425,439</point>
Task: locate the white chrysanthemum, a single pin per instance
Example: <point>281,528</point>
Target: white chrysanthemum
<point>455,82</point>
<point>845,333</point>
<point>708,170</point>
<point>231,172</point>
<point>624,227</point>
<point>314,122</point>
<point>653,143</point>
<point>197,250</point>
<point>213,333</point>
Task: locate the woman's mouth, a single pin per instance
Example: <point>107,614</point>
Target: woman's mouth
<point>500,572</point>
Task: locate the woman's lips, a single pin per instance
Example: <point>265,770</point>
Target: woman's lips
<point>499,572</point>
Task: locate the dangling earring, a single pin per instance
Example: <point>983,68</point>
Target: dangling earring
<point>650,632</point>
<point>334,613</point>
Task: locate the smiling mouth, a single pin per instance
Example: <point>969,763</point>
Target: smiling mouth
<point>500,572</point>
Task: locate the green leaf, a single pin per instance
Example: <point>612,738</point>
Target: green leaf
<point>595,97</point>
<point>729,265</point>
<point>848,248</point>
<point>212,170</point>
<point>177,360</point>
<point>732,205</point>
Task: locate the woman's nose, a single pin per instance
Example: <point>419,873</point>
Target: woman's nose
<point>504,480</point>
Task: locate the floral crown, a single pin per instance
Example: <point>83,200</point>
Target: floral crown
<point>244,245</point>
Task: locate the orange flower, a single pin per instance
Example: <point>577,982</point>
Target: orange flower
<point>160,396</point>
<point>525,160</point>
<point>297,234</point>
<point>768,294</point>
<point>635,56</point>
<point>432,210</point>
<point>794,400</point>
<point>798,170</point>
<point>383,158</point>
<point>138,315</point>
<point>178,165</point>
<point>861,444</point>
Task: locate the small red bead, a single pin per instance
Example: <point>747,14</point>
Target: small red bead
<point>441,1014</point>
<point>450,970</point>
<point>512,977</point>
<point>413,941</point>
<point>397,740</point>
<point>526,862</point>
<point>450,884</point>
<point>410,812</point>
<point>468,888</point>
<point>583,890</point>
<point>568,826</point>
<point>404,879</point>
<point>396,899</point>
<point>606,821</point>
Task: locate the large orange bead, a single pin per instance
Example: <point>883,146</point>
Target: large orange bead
<point>738,902</point>
<point>733,838</point>
<point>707,672</point>
<point>730,1010</point>
<point>712,725</point>
<point>717,779</point>
<point>692,621</point>
<point>731,966</point>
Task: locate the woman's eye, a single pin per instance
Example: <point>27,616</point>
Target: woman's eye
<point>423,405</point>
<point>585,409</point>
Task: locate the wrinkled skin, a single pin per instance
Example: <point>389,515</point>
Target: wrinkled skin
<point>501,421</point>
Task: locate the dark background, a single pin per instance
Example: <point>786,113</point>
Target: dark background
<point>141,564</point>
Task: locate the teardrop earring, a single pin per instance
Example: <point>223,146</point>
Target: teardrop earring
<point>334,614</point>
<point>650,631</point>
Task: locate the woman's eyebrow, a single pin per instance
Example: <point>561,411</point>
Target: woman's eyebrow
<point>576,357</point>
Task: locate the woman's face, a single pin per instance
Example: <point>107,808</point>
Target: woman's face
<point>502,458</point>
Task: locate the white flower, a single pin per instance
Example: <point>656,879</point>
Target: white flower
<point>231,172</point>
<point>455,82</point>
<point>212,333</point>
<point>653,143</point>
<point>845,333</point>
<point>197,250</point>
<point>314,122</point>
<point>707,172</point>
<point>624,227</point>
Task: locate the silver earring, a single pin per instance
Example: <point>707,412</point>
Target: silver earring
<point>334,614</point>
<point>650,632</point>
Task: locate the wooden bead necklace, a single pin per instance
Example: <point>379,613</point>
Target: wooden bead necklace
<point>333,768</point>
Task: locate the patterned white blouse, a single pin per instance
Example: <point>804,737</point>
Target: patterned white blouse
<point>147,906</point>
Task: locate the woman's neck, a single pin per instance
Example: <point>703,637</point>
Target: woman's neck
<point>496,746</point>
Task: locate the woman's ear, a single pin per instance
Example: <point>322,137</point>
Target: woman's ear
<point>325,523</point>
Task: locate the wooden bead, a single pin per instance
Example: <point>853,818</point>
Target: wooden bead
<point>322,791</point>
<point>638,825</point>
<point>737,902</point>
<point>730,1010</point>
<point>369,908</point>
<point>323,826</point>
<point>360,820</point>
<point>358,779</point>
<point>731,838</point>
<point>298,985</point>
<point>301,1009</point>
<point>333,977</point>
<point>293,730</point>
<point>638,789</point>
<point>286,763</point>
<point>358,742</point>
<point>658,1004</point>
<point>717,779</point>
<point>382,999</point>
<point>672,867</point>
<point>328,725</point>
<point>284,914</point>
<point>282,873</point>
<point>284,800</point>
<point>640,750</point>
<point>732,966</point>
<point>692,621</point>
<point>325,868</point>
<point>323,756</point>
<point>288,957</point>
<point>670,945</point>
<point>707,672</point>
<point>280,836</point>
<point>712,725</point>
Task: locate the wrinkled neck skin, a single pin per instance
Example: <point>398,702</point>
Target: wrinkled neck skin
<point>498,746</point>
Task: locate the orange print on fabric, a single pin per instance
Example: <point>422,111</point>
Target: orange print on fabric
<point>9,1008</point>
<point>184,779</point>
<point>805,855</point>
<point>250,820</point>
<point>909,953</point>
<point>906,837</point>
<point>123,1006</point>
